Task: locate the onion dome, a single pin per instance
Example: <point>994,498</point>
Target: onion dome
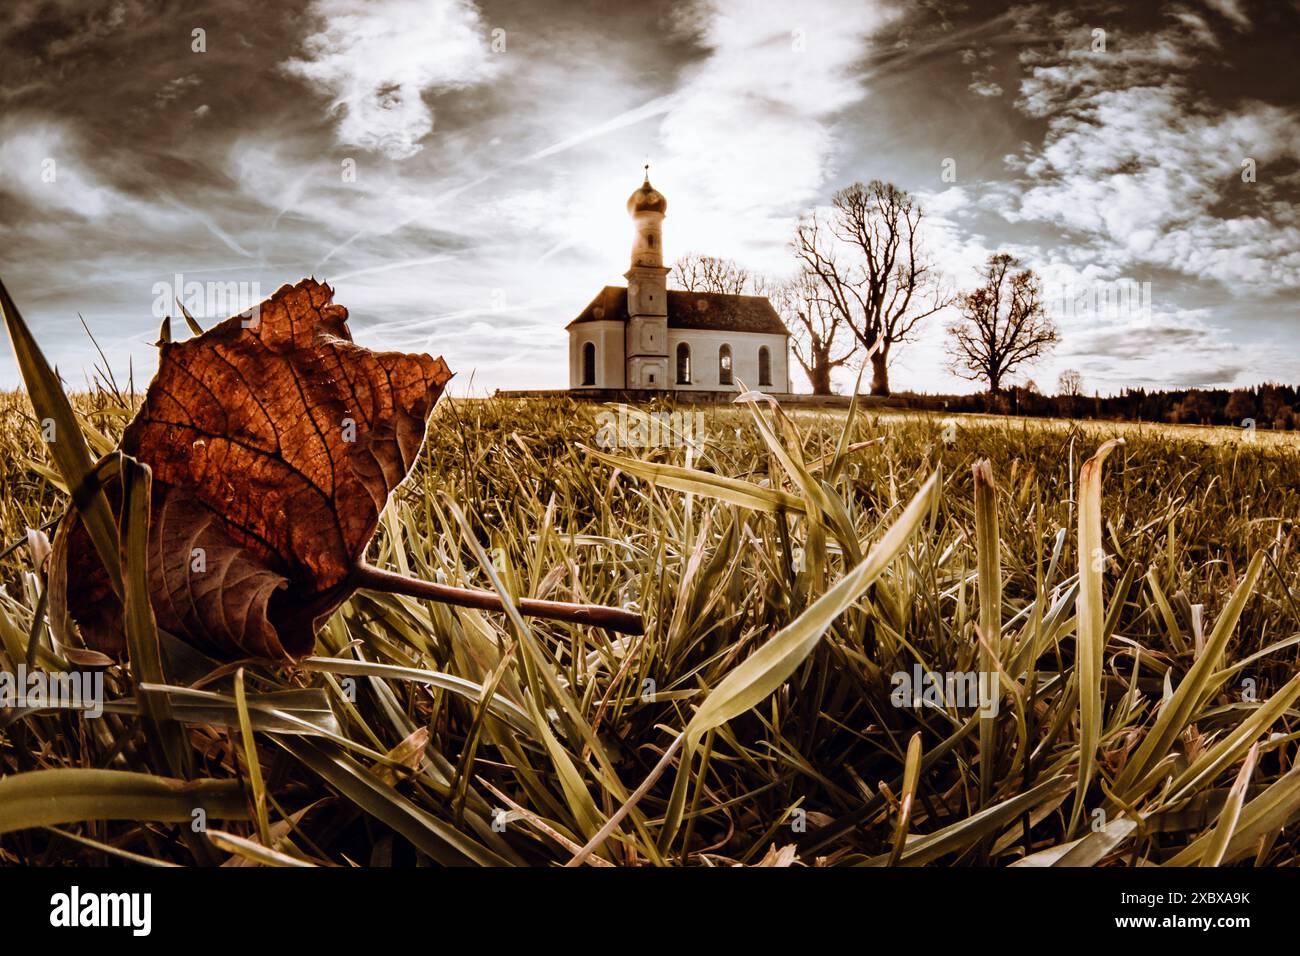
<point>646,199</point>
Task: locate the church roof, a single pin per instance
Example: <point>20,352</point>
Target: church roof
<point>709,311</point>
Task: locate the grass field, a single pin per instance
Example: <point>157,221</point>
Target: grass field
<point>1143,687</point>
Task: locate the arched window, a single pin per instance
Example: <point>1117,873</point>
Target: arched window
<point>724,365</point>
<point>589,363</point>
<point>683,364</point>
<point>764,366</point>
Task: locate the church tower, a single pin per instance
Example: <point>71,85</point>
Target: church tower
<point>647,291</point>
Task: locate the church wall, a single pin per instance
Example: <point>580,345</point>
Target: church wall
<point>610,366</point>
<point>704,346</point>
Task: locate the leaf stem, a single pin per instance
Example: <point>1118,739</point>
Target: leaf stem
<point>597,615</point>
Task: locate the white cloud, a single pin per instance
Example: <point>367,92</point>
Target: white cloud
<point>1232,10</point>
<point>751,133</point>
<point>175,89</point>
<point>1171,348</point>
<point>1144,173</point>
<point>44,163</point>
<point>376,60</point>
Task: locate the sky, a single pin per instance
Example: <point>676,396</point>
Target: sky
<point>457,170</point>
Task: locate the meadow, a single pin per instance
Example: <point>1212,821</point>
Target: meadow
<point>1136,619</point>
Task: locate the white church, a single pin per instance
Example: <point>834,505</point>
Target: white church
<point>648,336</point>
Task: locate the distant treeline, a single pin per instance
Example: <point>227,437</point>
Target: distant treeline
<point>1267,406</point>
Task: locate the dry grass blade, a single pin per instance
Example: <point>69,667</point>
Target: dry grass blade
<point>163,731</point>
<point>911,778</point>
<point>1091,616</point>
<point>1177,712</point>
<point>988,556</point>
<point>1276,807</point>
<point>769,666</point>
<point>251,760</point>
<point>1098,844</point>
<point>255,853</point>
<point>70,795</point>
<point>65,442</point>
<point>975,829</point>
<point>772,664</point>
<point>706,484</point>
<point>1235,744</point>
<point>439,840</point>
<point>507,710</point>
<point>1221,836</point>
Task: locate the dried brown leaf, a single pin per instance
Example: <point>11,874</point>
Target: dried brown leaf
<point>274,442</point>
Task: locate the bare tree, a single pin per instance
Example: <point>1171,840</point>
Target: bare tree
<point>870,261</point>
<point>817,332</point>
<point>1069,383</point>
<point>696,273</point>
<point>1003,324</point>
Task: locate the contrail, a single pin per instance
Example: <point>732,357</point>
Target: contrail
<point>390,266</point>
<point>655,107</point>
<point>393,227</point>
<point>212,227</point>
<point>422,324</point>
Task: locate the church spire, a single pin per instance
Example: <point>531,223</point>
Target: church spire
<point>646,336</point>
<point>647,207</point>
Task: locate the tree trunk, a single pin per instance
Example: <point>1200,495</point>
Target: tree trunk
<point>880,373</point>
<point>820,376</point>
